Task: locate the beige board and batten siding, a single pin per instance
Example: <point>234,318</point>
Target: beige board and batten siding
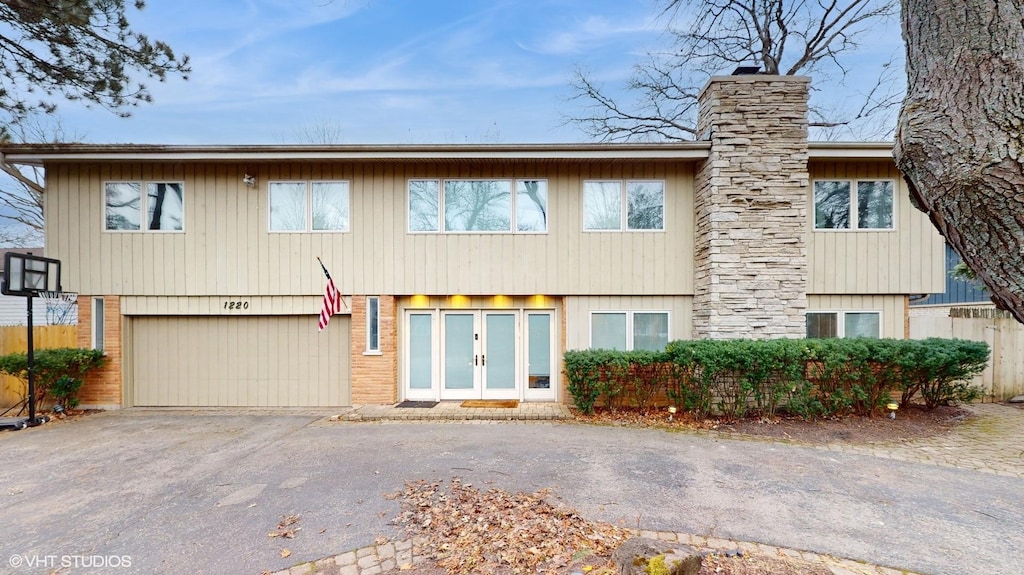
<point>251,361</point>
<point>226,248</point>
<point>907,260</point>
<point>577,314</point>
<point>892,308</point>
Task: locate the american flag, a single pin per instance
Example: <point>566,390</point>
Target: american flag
<point>332,301</point>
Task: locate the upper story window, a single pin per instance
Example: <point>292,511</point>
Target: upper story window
<point>854,204</point>
<point>309,206</point>
<point>617,206</point>
<point>481,206</point>
<point>160,208</point>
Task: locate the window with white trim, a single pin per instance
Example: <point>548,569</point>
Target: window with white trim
<point>629,330</point>
<point>144,206</point>
<point>309,206</point>
<point>854,204</point>
<point>478,206</point>
<point>97,323</point>
<point>821,324</point>
<point>616,205</point>
<point>373,324</point>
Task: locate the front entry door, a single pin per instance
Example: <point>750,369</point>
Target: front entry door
<point>479,354</point>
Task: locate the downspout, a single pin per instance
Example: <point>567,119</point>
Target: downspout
<point>10,170</point>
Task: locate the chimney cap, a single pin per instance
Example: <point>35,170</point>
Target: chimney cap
<point>746,70</point>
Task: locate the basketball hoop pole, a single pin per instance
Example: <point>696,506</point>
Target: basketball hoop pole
<point>31,368</point>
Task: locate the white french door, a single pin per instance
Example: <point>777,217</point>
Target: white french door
<point>479,354</point>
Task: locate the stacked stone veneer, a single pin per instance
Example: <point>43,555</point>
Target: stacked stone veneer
<point>750,258</point>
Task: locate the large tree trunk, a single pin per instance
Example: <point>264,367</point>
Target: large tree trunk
<point>960,141</point>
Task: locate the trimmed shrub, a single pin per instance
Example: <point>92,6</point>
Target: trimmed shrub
<point>941,370</point>
<point>807,378</point>
<point>57,372</point>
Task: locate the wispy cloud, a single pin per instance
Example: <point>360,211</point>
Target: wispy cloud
<point>584,35</point>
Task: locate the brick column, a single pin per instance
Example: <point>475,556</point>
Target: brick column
<point>103,387</point>
<point>375,376</point>
<point>750,260</point>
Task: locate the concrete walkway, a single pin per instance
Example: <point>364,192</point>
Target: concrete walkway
<point>453,411</point>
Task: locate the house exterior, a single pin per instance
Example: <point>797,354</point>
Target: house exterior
<point>468,269</point>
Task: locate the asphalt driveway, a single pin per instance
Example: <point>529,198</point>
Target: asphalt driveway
<point>181,492</point>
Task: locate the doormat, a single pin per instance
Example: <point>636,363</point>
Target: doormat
<point>423,404</point>
<point>502,403</point>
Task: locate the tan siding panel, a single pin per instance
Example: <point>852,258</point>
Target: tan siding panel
<point>908,260</point>
<point>892,308</point>
<point>577,314</point>
<point>257,306</point>
<point>244,361</point>
<point>226,249</point>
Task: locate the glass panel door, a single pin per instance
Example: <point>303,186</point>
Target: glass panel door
<point>420,374</point>
<point>540,383</point>
<point>460,357</point>
<point>499,358</point>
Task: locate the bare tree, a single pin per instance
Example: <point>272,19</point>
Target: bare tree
<point>960,140</point>
<point>21,197</point>
<point>321,130</point>
<point>784,37</point>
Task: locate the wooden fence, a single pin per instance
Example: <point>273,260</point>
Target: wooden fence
<point>1004,376</point>
<point>14,339</point>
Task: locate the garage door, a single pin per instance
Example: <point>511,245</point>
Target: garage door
<point>269,361</point>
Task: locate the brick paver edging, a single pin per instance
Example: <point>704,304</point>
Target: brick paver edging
<point>383,557</point>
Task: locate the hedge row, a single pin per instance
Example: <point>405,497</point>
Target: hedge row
<point>56,372</point>
<point>810,377</point>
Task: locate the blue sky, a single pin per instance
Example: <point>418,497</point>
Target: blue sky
<point>384,71</point>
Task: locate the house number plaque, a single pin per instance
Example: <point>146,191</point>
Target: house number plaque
<point>236,305</point>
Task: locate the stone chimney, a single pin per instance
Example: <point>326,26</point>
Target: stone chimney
<point>750,258</point>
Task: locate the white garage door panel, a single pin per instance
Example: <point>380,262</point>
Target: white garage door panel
<point>267,361</point>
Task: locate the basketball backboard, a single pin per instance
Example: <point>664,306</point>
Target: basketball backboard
<point>27,274</point>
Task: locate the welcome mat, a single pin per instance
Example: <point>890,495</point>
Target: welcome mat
<point>421,404</point>
<point>500,403</point>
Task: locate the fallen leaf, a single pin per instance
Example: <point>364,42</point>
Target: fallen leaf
<point>285,553</point>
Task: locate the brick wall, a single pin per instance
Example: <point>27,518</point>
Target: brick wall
<point>102,388</point>
<point>375,376</point>
<point>750,260</point>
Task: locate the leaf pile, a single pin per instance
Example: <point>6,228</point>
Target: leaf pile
<point>285,527</point>
<point>469,531</point>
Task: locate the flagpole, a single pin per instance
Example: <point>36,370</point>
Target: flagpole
<point>326,273</point>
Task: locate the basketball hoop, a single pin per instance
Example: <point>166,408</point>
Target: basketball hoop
<point>59,306</point>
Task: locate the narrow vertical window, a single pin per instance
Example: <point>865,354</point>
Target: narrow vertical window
<point>372,324</point>
<point>875,205</point>
<point>97,323</point>
<point>423,206</point>
<point>532,206</point>
<point>165,206</point>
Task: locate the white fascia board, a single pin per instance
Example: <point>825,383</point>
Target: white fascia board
<point>695,150</point>
<point>850,150</point>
